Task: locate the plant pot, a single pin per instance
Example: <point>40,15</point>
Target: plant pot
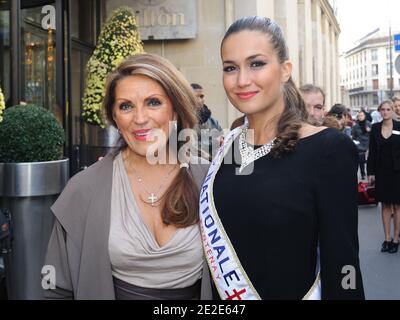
<point>28,190</point>
<point>97,142</point>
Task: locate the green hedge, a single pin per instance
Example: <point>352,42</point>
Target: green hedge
<point>30,134</point>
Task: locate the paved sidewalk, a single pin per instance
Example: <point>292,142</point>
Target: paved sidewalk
<point>381,271</point>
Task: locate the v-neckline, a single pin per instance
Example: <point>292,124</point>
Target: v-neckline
<point>384,136</point>
<point>139,212</point>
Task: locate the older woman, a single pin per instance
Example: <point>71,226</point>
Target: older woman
<point>127,227</point>
<point>383,166</point>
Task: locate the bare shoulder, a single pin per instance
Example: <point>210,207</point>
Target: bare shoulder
<point>308,130</point>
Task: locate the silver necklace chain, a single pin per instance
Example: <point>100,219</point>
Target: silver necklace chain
<point>247,152</point>
<point>152,196</point>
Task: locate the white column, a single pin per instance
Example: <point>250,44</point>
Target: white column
<point>327,66</point>
<point>334,63</point>
<point>229,13</point>
<point>305,41</point>
<point>266,8</point>
<point>245,8</point>
<point>286,15</point>
<point>317,44</point>
<point>338,90</point>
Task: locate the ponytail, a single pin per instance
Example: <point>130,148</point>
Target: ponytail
<point>290,121</point>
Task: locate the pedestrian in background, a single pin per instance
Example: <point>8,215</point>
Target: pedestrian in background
<point>368,115</point>
<point>280,183</point>
<point>383,168</point>
<point>314,98</point>
<point>360,134</point>
<point>396,106</point>
<point>339,112</point>
<point>376,117</point>
<point>349,123</point>
<point>210,141</point>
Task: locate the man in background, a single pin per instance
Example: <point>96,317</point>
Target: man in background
<point>314,98</point>
<point>208,127</point>
<point>396,106</point>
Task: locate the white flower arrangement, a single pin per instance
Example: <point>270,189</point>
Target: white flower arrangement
<point>2,105</point>
<point>118,40</point>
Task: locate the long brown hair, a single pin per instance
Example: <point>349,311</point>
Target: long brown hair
<point>180,201</point>
<point>294,113</point>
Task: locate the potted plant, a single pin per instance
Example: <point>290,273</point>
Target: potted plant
<point>119,39</point>
<point>2,105</point>
<point>33,173</point>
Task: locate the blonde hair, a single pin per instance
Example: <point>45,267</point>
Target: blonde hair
<point>389,102</point>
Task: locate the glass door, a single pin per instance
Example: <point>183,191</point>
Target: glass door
<point>38,50</point>
<point>5,52</point>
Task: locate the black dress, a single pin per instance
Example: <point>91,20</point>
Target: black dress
<point>387,180</point>
<point>384,163</point>
<point>275,216</point>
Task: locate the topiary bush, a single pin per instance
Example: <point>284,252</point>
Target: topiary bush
<point>119,39</point>
<point>30,134</point>
<point>2,105</point>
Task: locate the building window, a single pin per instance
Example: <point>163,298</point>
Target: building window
<point>82,25</point>
<point>375,70</point>
<point>374,54</point>
<point>375,99</point>
<point>365,71</point>
<point>375,84</point>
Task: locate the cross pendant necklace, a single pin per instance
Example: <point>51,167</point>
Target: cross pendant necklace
<point>152,198</point>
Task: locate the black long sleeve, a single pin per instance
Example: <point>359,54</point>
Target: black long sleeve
<point>276,216</point>
<point>338,219</point>
<point>373,150</point>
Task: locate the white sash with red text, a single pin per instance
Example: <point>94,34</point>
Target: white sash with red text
<point>227,272</point>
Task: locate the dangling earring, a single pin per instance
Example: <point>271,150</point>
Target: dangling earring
<point>119,131</point>
<point>175,126</point>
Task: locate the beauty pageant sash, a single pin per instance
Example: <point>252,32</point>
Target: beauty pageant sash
<point>227,272</point>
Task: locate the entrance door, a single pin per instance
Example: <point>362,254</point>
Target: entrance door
<point>38,55</point>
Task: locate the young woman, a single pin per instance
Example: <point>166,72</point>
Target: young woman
<point>126,228</point>
<point>279,213</point>
<point>383,167</point>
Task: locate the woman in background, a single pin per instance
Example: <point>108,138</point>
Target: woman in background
<point>360,134</point>
<point>383,168</point>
